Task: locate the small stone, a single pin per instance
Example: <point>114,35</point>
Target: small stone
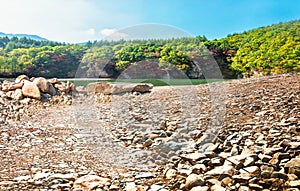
<point>241,178</point>
<point>256,187</point>
<point>193,156</point>
<point>219,170</point>
<point>293,166</point>
<point>241,159</point>
<point>7,183</point>
<point>114,187</point>
<point>264,158</point>
<point>41,175</point>
<point>200,188</point>
<point>243,188</point>
<point>253,170</point>
<point>216,161</point>
<point>71,176</point>
<point>199,168</point>
<point>147,143</point>
<point>156,187</point>
<point>194,180</point>
<point>144,175</point>
<point>171,173</point>
<point>226,181</point>
<point>294,145</point>
<point>217,187</point>
<point>22,178</point>
<point>26,145</point>
<point>90,182</point>
<point>295,183</point>
<point>279,175</point>
<point>130,186</point>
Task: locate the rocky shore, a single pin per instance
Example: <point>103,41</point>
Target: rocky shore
<point>233,135</point>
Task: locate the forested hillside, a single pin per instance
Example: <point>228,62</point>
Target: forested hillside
<point>266,50</point>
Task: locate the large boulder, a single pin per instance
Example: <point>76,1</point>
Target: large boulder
<point>10,86</point>
<point>31,90</point>
<point>108,88</point>
<point>42,84</point>
<point>21,78</point>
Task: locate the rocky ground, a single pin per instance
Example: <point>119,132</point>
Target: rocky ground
<point>234,135</point>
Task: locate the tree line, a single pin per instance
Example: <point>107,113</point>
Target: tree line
<point>267,50</point>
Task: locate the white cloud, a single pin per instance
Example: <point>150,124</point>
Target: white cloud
<point>113,34</point>
<point>107,32</point>
<point>91,31</point>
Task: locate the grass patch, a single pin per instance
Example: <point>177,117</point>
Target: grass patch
<point>155,82</point>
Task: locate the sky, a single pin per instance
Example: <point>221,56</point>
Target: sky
<point>75,21</point>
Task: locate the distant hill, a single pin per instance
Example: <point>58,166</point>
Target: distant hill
<point>33,37</point>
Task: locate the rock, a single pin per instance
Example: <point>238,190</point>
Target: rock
<point>266,171</point>
<point>280,175</point>
<point>200,188</point>
<point>41,175</point>
<point>193,156</point>
<point>199,168</point>
<point>295,183</point>
<point>243,188</point>
<point>219,170</point>
<point>144,175</point>
<point>293,166</point>
<point>131,186</point>
<point>10,86</point>
<point>171,173</point>
<point>53,81</point>
<point>108,88</point>
<point>244,159</point>
<point>31,90</point>
<point>90,182</point>
<point>252,170</point>
<point>264,158</point>
<point>156,187</point>
<point>52,90</point>
<point>147,143</point>
<point>20,78</point>
<point>294,145</point>
<point>22,178</point>
<point>194,180</point>
<point>226,181</point>
<point>71,176</point>
<point>114,187</point>
<point>42,84</point>
<point>241,178</point>
<point>16,95</point>
<point>67,87</point>
<point>217,187</point>
<point>255,187</point>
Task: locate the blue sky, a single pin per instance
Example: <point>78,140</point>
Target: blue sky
<point>82,20</point>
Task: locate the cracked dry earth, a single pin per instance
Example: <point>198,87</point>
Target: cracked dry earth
<point>234,135</point>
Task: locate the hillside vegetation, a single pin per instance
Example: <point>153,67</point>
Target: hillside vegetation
<point>267,50</point>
